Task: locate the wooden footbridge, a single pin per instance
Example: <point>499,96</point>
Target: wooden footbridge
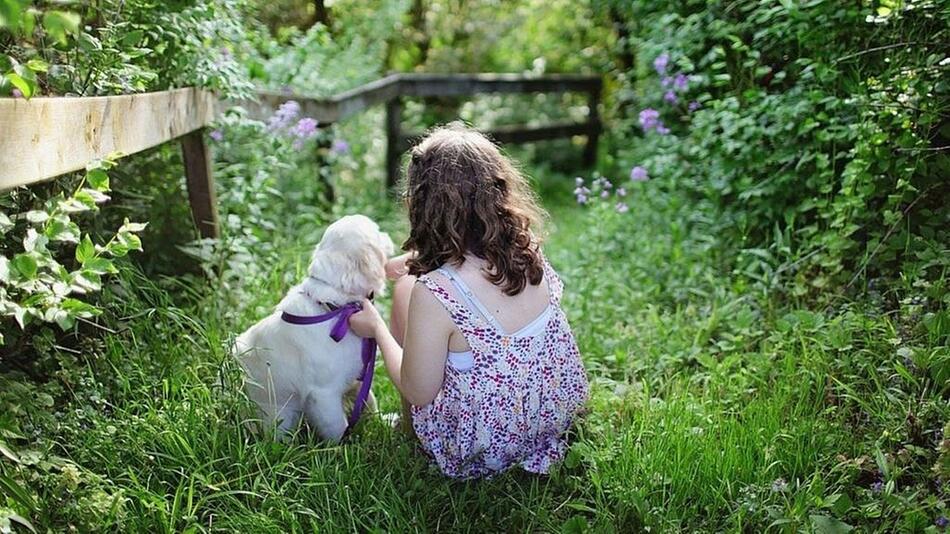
<point>42,138</point>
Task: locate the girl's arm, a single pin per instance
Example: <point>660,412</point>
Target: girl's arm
<point>418,369</point>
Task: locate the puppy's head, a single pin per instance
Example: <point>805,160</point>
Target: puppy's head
<point>352,257</point>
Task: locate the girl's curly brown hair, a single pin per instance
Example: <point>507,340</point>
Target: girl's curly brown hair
<point>465,196</point>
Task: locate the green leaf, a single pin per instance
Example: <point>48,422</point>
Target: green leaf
<point>5,223</point>
<point>86,250</point>
<point>34,241</point>
<point>25,86</point>
<point>829,525</point>
<point>10,14</point>
<point>575,525</point>
<point>24,522</point>
<point>4,270</point>
<point>98,179</point>
<point>80,308</point>
<point>132,227</point>
<point>26,265</point>
<point>99,265</point>
<point>60,23</point>
<point>37,216</point>
<point>37,65</point>
<point>12,489</point>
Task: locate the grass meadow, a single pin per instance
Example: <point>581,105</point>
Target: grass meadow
<point>715,407</point>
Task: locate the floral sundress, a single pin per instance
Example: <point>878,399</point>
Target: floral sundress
<point>514,403</point>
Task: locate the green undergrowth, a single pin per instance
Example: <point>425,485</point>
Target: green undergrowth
<point>713,408</point>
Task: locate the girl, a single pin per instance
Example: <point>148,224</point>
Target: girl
<point>479,345</point>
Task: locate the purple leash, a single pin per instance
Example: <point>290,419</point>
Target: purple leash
<point>342,315</point>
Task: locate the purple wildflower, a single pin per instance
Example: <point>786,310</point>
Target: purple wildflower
<point>670,97</point>
<point>340,146</point>
<point>661,62</point>
<point>16,93</point>
<point>284,116</point>
<point>681,82</point>
<point>649,119</point>
<point>621,192</point>
<point>305,128</point>
<point>604,194</point>
<point>662,130</point>
<point>578,181</point>
<point>217,135</point>
<point>582,199</point>
<point>877,486</point>
<point>639,174</point>
<point>942,522</point>
<point>606,183</point>
<point>693,106</point>
<point>666,81</point>
<point>779,485</point>
<point>622,207</point>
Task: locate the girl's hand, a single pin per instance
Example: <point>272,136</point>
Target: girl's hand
<point>396,267</point>
<point>367,322</point>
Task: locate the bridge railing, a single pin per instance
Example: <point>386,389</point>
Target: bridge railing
<point>42,138</point>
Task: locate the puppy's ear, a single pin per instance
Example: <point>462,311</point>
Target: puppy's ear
<point>365,271</point>
<point>386,245</point>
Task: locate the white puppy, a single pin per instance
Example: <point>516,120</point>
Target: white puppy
<point>295,370</point>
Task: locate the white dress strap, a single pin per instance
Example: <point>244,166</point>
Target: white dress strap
<point>468,295</point>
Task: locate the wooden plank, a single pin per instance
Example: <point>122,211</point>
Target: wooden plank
<point>201,195</point>
<point>394,141</point>
<point>324,110</point>
<point>519,134</point>
<point>593,115</point>
<point>327,110</point>
<point>338,107</point>
<point>365,96</point>
<point>423,84</point>
<point>45,137</point>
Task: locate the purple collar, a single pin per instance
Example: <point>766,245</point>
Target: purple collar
<point>337,333</point>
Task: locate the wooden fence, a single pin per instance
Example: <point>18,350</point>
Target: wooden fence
<point>42,138</point>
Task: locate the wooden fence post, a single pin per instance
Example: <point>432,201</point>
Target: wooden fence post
<point>324,145</point>
<point>204,206</point>
<point>393,141</point>
<point>593,120</point>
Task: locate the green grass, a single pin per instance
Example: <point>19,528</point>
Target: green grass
<point>707,396</point>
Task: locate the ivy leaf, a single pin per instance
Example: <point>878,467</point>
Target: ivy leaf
<point>132,227</point>
<point>77,204</point>
<point>26,265</point>
<point>79,308</point>
<point>34,241</point>
<point>99,266</point>
<point>97,196</point>
<point>61,228</point>
<point>37,216</point>
<point>60,317</point>
<point>86,250</point>
<point>4,270</point>
<point>5,223</point>
<point>20,314</point>
<point>85,281</point>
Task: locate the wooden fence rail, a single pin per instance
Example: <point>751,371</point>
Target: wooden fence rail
<point>42,138</point>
